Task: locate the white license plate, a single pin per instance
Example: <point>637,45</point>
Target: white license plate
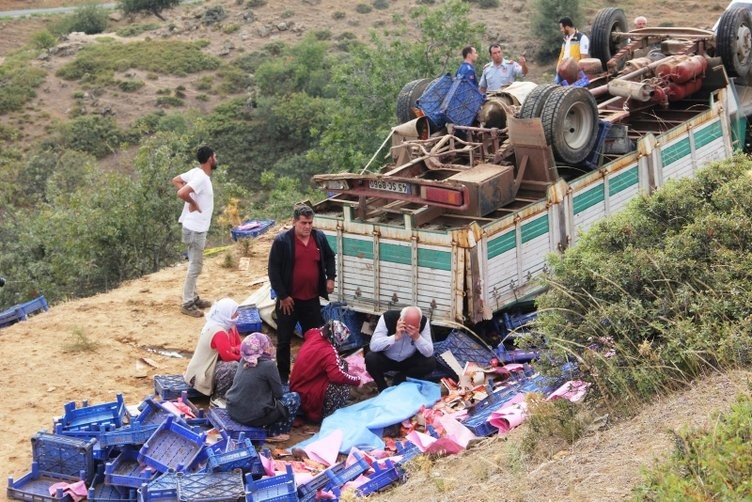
<point>388,186</point>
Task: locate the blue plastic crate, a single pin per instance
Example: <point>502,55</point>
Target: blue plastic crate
<point>35,486</point>
<point>383,477</point>
<point>464,348</point>
<point>242,457</point>
<point>21,311</point>
<point>339,478</point>
<point>251,228</point>
<point>514,321</point>
<point>307,491</point>
<point>99,491</point>
<point>221,420</point>
<point>64,457</point>
<point>134,434</point>
<point>462,102</point>
<point>595,157</point>
<point>516,355</point>
<point>432,98</point>
<point>126,470</point>
<point>172,446</point>
<point>87,417</point>
<point>249,319</point>
<point>95,431</point>
<point>350,318</point>
<point>163,488</point>
<point>210,486</point>
<point>170,387</point>
<point>279,488</point>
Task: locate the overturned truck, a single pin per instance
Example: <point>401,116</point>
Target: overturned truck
<point>462,218</point>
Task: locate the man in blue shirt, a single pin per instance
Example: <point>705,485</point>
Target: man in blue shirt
<point>501,72</point>
<point>467,68</point>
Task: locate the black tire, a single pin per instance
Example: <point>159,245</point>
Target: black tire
<point>607,21</point>
<point>734,41</point>
<point>570,123</point>
<point>533,104</point>
<point>407,98</point>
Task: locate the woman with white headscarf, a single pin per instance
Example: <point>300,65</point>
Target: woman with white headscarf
<point>257,397</point>
<point>217,353</point>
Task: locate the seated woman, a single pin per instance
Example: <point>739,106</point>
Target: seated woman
<point>319,374</point>
<point>256,397</point>
<point>217,353</point>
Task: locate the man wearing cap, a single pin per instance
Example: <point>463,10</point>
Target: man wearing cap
<point>301,269</point>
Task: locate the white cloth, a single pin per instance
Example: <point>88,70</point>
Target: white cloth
<point>203,195</point>
<point>222,313</point>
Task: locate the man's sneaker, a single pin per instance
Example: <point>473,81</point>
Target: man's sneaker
<point>191,310</point>
<point>201,303</point>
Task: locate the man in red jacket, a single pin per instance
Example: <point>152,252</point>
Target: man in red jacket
<point>319,374</point>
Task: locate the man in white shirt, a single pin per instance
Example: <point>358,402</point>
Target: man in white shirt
<point>401,342</point>
<point>195,189</point>
<point>500,72</point>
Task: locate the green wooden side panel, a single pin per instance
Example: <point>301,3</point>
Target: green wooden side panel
<point>672,153</point>
<point>501,244</point>
<point>534,229</point>
<point>357,248</point>
<point>708,134</point>
<point>431,258</point>
<point>332,239</point>
<point>625,180</point>
<point>588,199</point>
<point>394,254</point>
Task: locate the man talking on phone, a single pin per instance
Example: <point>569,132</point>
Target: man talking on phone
<point>401,342</point>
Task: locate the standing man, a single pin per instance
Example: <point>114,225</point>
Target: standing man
<point>301,269</point>
<point>195,188</point>
<point>576,44</point>
<point>501,72</point>
<point>467,67</point>
<point>401,342</point>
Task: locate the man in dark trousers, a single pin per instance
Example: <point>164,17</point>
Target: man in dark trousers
<point>301,269</point>
<point>401,342</point>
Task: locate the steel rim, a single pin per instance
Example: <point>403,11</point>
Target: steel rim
<point>578,122</point>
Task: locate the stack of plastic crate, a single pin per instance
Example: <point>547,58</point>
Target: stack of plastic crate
<point>383,476</point>
<point>172,446</point>
<point>221,420</point>
<point>280,488</point>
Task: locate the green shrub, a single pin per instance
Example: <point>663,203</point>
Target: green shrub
<point>230,28</point>
<point>545,24</point>
<point>322,34</point>
<point>153,6</point>
<point>156,56</point>
<point>488,4</point>
<point>93,134</point>
<point>380,4</point>
<point>233,80</point>
<point>89,19</point>
<point>363,8</point>
<point>286,14</point>
<point>339,15</point>
<point>130,85</point>
<point>43,39</point>
<point>133,30</point>
<point>170,101</point>
<point>256,3</point>
<point>710,464</point>
<point>202,97</point>
<point>19,82</point>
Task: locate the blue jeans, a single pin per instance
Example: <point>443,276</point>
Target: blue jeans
<point>196,242</point>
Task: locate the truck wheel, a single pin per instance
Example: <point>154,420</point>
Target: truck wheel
<point>570,123</point>
<point>533,104</point>
<point>734,41</point>
<point>606,22</point>
<point>407,98</point>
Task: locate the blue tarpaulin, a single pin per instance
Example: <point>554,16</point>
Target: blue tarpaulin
<point>363,423</point>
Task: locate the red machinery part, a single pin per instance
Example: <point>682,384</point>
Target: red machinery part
<point>682,69</point>
<point>680,90</point>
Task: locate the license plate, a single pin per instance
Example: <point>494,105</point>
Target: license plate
<point>388,186</point>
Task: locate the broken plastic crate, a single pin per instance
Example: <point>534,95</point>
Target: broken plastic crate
<point>244,456</point>
<point>164,487</point>
<point>464,349</point>
<point>350,318</point>
<point>172,446</point>
<point>35,486</point>
<point>126,470</point>
<point>381,478</point>
<point>21,311</point>
<point>251,228</point>
<point>170,387</point>
<point>210,486</point>
<point>307,491</point>
<point>96,416</point>
<point>220,418</point>
<point>280,488</point>
<point>249,319</point>
<point>338,479</point>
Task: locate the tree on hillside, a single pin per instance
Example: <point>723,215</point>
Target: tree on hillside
<point>153,6</point>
